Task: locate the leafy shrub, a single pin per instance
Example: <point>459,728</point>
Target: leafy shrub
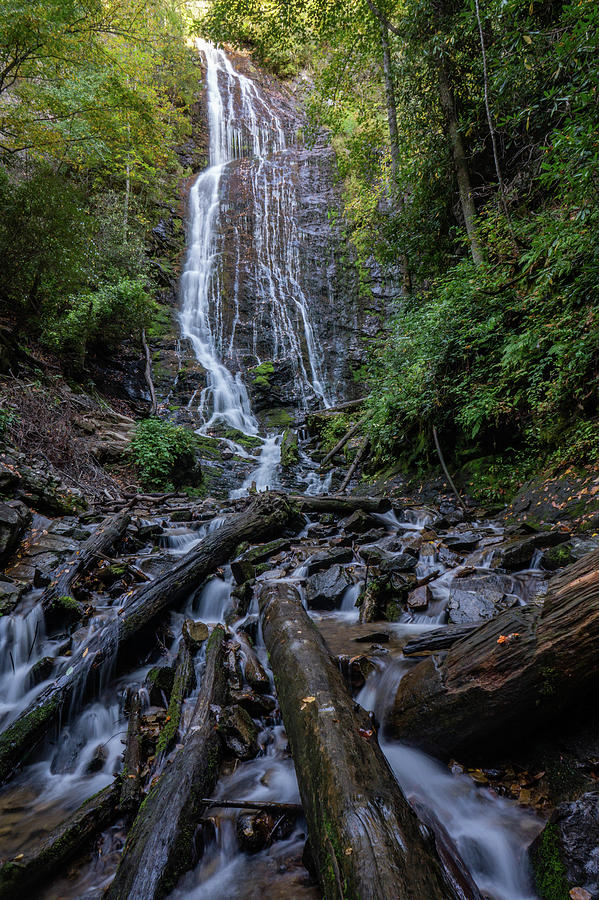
<point>164,454</point>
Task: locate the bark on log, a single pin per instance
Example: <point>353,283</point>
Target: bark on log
<point>160,846</point>
<point>341,443</point>
<point>131,774</point>
<point>365,838</point>
<point>260,805</point>
<point>324,503</point>
<point>18,877</point>
<point>439,639</point>
<point>100,542</point>
<point>510,674</point>
<point>265,517</point>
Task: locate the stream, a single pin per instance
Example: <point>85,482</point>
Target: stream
<point>84,753</point>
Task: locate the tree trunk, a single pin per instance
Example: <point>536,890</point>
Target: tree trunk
<point>360,454</point>
<point>267,516</point>
<point>343,506</point>
<point>365,838</point>
<point>160,846</point>
<point>510,674</point>
<point>131,774</point>
<point>460,163</point>
<point>100,542</point>
<point>19,877</point>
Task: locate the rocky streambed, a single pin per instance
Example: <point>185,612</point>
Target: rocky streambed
<point>391,589</point>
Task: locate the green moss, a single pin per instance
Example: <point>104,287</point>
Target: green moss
<point>278,418</point>
<point>549,869</point>
<point>162,322</point>
<point>289,448</point>
<point>260,375</point>
<point>208,447</point>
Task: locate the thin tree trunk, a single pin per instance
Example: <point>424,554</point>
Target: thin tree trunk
<point>346,437</point>
<point>148,373</point>
<point>361,453</point>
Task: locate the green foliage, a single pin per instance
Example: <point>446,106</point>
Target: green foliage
<point>550,872</point>
<point>164,454</point>
<point>100,317</point>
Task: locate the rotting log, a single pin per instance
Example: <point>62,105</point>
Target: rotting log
<point>131,774</point>
<point>509,675</point>
<point>160,846</point>
<point>183,681</point>
<point>366,840</point>
<point>267,516</point>
<point>100,542</point>
<point>437,639</point>
<point>19,876</point>
<point>343,506</point>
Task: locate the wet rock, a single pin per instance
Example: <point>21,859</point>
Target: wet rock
<point>239,732</point>
<point>251,627</point>
<point>557,557</point>
<point>319,562</point>
<point>325,589</point>
<point>565,855</point>
<point>41,670</point>
<point>250,563</point>
<point>359,522</point>
<point>160,681</point>
<point>258,705</point>
<point>256,830</point>
<point>518,554</point>
<point>242,595</point>
<point>388,562</point>
<point>380,637</point>
<point>146,529</point>
<point>14,519</point>
<point>476,599</point>
<point>289,448</point>
<point>98,760</point>
<point>356,670</point>
<point>194,634</point>
<point>420,598</point>
<point>10,594</point>
<point>467,540</point>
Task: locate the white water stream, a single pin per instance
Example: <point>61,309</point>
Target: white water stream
<point>243,126</point>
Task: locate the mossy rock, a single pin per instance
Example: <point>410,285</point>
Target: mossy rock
<point>289,449</point>
<point>548,867</point>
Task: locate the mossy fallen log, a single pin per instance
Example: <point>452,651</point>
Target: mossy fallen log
<point>366,841</point>
<point>509,675</point>
<point>160,846</point>
<point>60,589</point>
<point>19,876</point>
<point>131,774</point>
<point>267,516</point>
<point>343,506</point>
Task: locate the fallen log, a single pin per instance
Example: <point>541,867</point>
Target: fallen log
<point>160,846</point>
<point>19,876</point>
<point>366,840</point>
<point>510,674</point>
<point>131,774</point>
<point>266,516</point>
<point>100,542</point>
<point>260,805</point>
<point>438,639</point>
<point>324,503</point>
<point>362,449</point>
<point>341,443</point>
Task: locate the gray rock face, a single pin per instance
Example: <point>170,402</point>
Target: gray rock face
<point>573,835</point>
<point>477,599</point>
<point>388,562</point>
<point>325,589</point>
<point>10,594</point>
<point>327,558</point>
<point>518,554</point>
<point>14,518</point>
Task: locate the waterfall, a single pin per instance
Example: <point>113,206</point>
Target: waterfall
<point>246,135</point>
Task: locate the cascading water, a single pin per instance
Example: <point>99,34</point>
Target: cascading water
<point>244,129</point>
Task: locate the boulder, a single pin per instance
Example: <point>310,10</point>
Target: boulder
<point>518,554</point>
<point>10,594</point>
<point>325,559</point>
<point>479,598</point>
<point>359,522</point>
<point>388,562</point>
<point>466,540</point>
<point>239,732</point>
<point>565,856</point>
<point>14,519</point>
<point>256,830</point>
<point>325,589</point>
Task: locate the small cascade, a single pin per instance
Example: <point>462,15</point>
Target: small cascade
<point>22,641</point>
<point>247,139</point>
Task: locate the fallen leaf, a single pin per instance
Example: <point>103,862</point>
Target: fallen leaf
<point>85,652</point>
<point>578,893</point>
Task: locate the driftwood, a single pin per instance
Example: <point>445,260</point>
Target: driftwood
<point>267,516</point>
<point>361,453</point>
<point>366,840</point>
<point>104,537</point>
<point>510,674</point>
<point>19,876</point>
<point>266,805</point>
<point>324,503</point>
<point>341,443</point>
<point>160,846</point>
<point>439,639</point>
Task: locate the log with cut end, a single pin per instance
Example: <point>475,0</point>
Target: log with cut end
<point>267,516</point>
<point>20,876</point>
<point>160,846</point>
<point>366,840</point>
<point>343,506</point>
<point>108,533</point>
<point>510,674</point>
